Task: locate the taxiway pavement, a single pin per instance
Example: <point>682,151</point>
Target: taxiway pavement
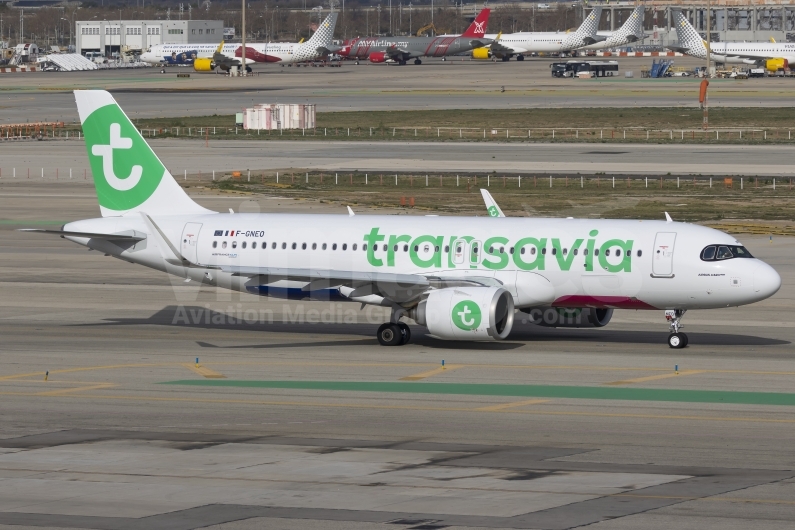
<point>127,432</point>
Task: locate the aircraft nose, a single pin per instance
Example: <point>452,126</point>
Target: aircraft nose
<point>766,280</point>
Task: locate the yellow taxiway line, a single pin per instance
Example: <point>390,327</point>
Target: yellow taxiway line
<point>654,377</point>
<point>423,375</point>
<point>204,371</point>
<point>503,406</point>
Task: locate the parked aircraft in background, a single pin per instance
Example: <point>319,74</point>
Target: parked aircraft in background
<point>400,50</point>
<point>461,277</point>
<point>520,44</point>
<point>317,47</point>
<point>630,31</point>
<point>773,56</point>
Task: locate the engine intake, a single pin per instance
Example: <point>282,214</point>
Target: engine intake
<point>569,317</point>
<point>481,54</point>
<point>467,313</point>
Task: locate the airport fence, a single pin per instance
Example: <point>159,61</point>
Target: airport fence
<point>562,134</point>
<point>549,134</point>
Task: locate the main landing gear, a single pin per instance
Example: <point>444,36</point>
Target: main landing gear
<point>417,61</point>
<point>394,332</point>
<point>676,339</point>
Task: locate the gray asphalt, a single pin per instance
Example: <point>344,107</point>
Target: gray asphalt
<point>459,84</point>
<point>103,444</point>
<point>226,155</point>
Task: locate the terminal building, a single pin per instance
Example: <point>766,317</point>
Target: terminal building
<point>730,20</point>
<point>135,36</point>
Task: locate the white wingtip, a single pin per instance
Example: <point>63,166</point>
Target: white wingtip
<point>350,212</point>
<point>668,218</point>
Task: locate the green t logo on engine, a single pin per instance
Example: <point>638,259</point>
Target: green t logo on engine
<point>466,315</point>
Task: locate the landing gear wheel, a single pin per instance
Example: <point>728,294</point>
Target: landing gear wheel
<point>417,62</point>
<point>402,63</point>
<point>405,332</point>
<point>677,340</point>
<point>520,57</point>
<point>389,334</point>
<point>506,58</point>
<point>357,62</point>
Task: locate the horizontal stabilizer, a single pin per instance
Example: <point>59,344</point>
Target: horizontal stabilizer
<point>125,236</point>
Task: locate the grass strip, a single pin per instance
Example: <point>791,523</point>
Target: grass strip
<point>547,391</point>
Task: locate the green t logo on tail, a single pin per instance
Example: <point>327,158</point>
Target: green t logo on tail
<point>126,171</point>
<point>493,211</point>
<point>466,315</point>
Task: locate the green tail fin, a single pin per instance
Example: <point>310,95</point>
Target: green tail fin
<point>128,175</point>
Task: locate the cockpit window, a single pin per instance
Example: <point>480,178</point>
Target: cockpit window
<point>721,252</point>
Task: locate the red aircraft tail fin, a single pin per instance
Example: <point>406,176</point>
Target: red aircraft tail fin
<point>478,27</point>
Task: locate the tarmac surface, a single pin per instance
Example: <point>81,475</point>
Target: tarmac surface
<point>181,155</point>
<point>436,84</point>
<point>273,427</point>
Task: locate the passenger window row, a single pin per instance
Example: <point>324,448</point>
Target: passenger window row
<point>427,248</point>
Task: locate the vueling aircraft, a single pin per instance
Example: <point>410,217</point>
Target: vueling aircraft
<point>519,44</point>
<point>461,277</point>
<point>773,56</point>
<point>317,47</point>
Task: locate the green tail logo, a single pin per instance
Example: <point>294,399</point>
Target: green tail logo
<point>126,171</point>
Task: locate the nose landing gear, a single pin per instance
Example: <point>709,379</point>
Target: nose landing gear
<point>676,339</point>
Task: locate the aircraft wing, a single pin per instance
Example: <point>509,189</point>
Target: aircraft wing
<point>480,43</point>
<point>395,287</point>
<point>397,54</point>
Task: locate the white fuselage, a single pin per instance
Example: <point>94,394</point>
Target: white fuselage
<point>271,52</point>
<point>541,262</point>
<point>534,42</point>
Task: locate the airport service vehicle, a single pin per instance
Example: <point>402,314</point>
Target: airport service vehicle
<point>317,47</point>
<point>520,44</point>
<point>573,68</point>
<point>772,56</point>
<point>462,277</point>
<point>399,50</point>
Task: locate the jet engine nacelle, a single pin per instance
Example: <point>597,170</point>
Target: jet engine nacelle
<point>203,65</point>
<point>467,313</point>
<point>569,317</point>
<point>377,57</point>
<point>774,65</point>
<point>482,54</point>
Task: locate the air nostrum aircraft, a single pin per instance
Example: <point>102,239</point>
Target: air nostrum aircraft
<point>461,277</point>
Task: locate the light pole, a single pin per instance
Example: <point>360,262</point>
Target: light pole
<point>243,29</point>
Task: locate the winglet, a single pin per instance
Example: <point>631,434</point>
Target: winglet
<point>350,212</point>
<point>499,36</point>
<point>668,218</point>
<point>491,205</point>
<point>220,47</point>
<point>772,40</point>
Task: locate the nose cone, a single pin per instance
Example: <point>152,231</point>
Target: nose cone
<point>148,57</point>
<point>766,281</point>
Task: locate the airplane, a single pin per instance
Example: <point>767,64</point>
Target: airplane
<point>317,47</point>
<point>630,31</point>
<point>773,56</point>
<point>400,50</point>
<point>461,277</point>
<point>522,43</point>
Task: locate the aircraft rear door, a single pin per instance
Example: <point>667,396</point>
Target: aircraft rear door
<point>663,259</point>
<point>190,241</point>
